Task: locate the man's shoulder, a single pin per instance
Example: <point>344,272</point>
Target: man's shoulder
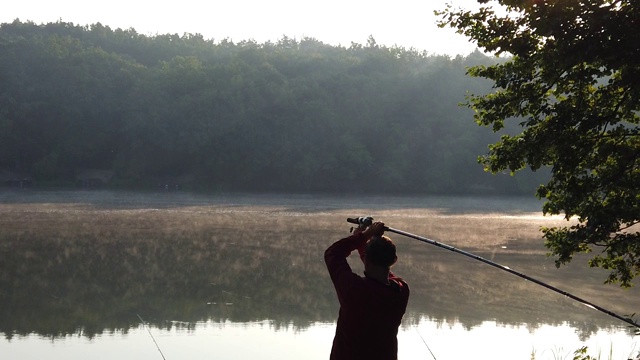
<point>402,285</point>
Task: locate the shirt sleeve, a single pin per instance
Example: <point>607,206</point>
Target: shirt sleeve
<point>335,258</point>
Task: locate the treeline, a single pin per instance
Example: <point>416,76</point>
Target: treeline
<point>291,116</point>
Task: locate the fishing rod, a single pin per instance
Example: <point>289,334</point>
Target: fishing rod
<point>366,221</point>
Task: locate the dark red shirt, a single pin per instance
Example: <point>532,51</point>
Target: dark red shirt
<point>370,311</point>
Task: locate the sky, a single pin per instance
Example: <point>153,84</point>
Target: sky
<point>406,23</point>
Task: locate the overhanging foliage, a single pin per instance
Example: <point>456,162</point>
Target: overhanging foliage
<point>573,84</point>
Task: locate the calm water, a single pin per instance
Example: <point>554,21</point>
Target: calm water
<point>113,275</point>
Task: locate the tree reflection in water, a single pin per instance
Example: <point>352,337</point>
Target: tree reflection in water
<point>87,266</point>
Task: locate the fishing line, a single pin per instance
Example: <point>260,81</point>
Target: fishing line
<point>425,344</point>
<point>366,221</point>
<point>152,338</point>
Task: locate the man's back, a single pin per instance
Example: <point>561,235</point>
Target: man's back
<point>370,310</point>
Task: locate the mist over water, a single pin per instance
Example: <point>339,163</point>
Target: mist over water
<point>242,276</point>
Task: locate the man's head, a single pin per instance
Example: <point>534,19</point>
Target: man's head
<point>381,251</point>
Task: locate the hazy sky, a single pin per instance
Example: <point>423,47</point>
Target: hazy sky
<point>408,23</point>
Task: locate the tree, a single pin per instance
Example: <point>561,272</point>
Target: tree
<point>572,81</point>
<point>291,116</point>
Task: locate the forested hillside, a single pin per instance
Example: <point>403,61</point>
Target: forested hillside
<point>291,116</point>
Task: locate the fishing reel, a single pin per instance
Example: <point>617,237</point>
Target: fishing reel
<point>363,222</point>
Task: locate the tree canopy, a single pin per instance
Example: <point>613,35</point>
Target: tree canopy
<point>572,83</point>
<point>291,116</point>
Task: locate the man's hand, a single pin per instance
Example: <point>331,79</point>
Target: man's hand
<point>376,229</point>
<point>362,224</point>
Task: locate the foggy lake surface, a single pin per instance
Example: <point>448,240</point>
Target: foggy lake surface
<point>123,275</point>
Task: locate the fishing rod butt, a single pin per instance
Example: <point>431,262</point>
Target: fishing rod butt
<point>363,221</point>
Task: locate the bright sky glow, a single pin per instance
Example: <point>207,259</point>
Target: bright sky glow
<point>407,23</point>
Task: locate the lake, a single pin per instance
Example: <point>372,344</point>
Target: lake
<point>122,275</point>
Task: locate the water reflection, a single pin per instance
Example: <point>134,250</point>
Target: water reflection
<point>75,265</point>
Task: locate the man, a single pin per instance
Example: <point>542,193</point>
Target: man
<point>371,307</point>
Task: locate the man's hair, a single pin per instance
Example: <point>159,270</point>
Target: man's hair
<point>381,251</point>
